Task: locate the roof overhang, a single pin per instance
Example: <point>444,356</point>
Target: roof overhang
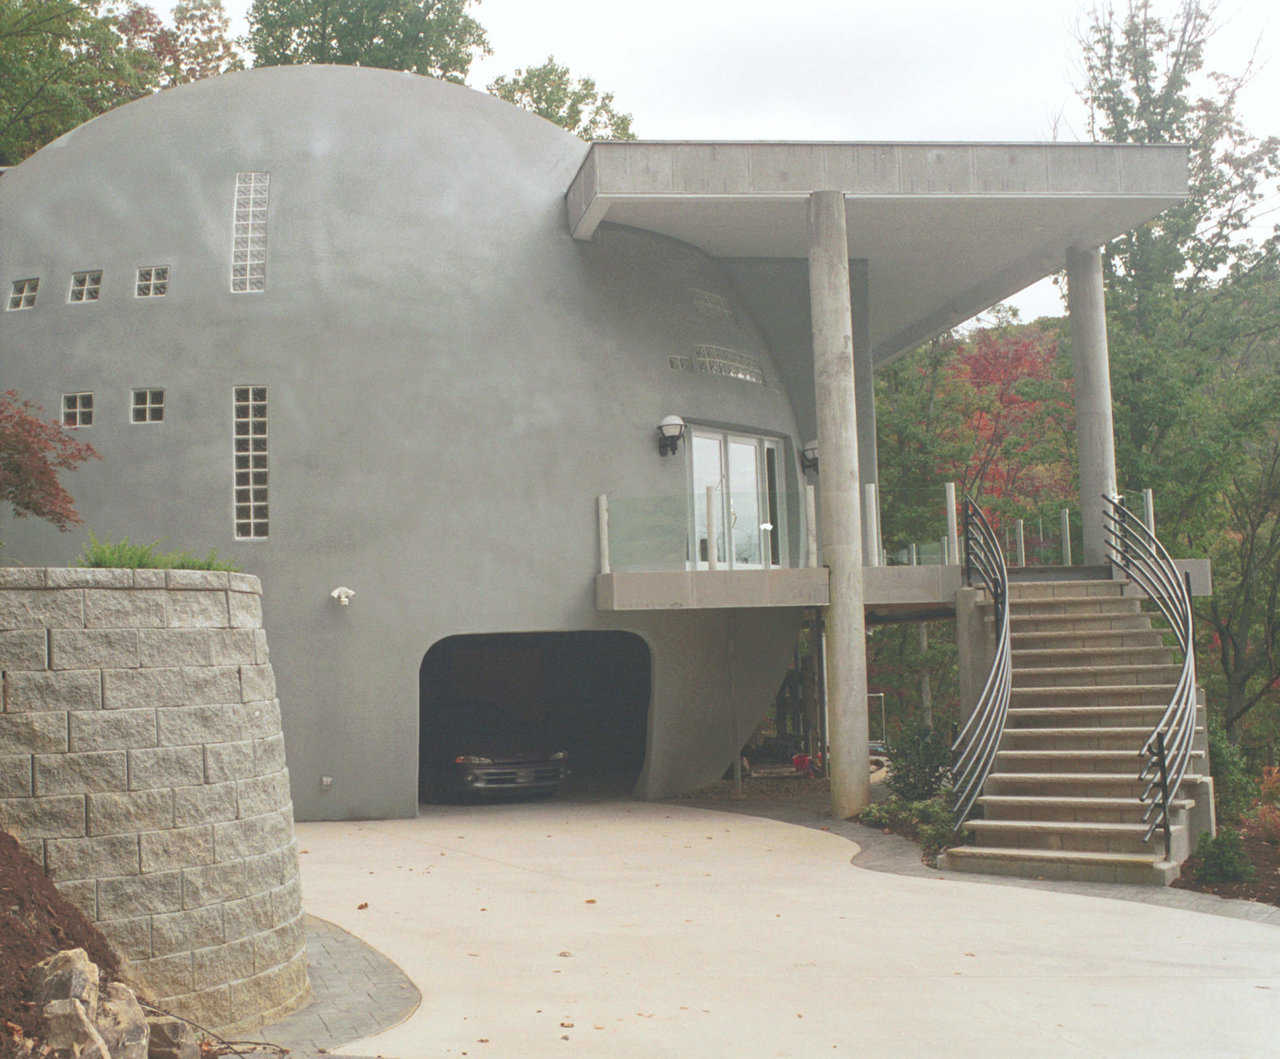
<point>948,229</point>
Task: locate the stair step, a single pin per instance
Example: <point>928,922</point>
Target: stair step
<point>1076,865</point>
<point>1024,590</point>
<point>1070,784</point>
<point>1024,624</point>
<point>1048,807</point>
<point>1071,606</point>
<point>1094,695</point>
<point>1067,761</point>
<point>1084,836</point>
<point>1035,717</point>
<point>1088,657</point>
<point>1067,639</point>
<point>1025,676</point>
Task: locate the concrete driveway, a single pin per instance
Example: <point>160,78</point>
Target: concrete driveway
<point>627,929</point>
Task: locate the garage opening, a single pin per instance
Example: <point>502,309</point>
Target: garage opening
<point>529,697</point>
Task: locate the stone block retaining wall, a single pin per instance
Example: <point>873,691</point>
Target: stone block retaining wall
<point>142,764</point>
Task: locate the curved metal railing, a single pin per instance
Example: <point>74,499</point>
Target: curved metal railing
<point>1167,750</point>
<point>974,749</point>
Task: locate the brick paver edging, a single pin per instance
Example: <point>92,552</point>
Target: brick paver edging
<point>355,992</point>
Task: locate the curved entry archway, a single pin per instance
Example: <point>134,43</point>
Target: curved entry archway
<point>589,689</point>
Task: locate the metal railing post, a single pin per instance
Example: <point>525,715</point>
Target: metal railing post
<point>1066,537</point>
<point>811,517</point>
<point>953,536</point>
<point>602,528</point>
<point>713,538</point>
<point>1020,543</point>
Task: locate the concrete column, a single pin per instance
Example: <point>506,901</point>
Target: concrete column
<point>841,522</point>
<point>1094,430</point>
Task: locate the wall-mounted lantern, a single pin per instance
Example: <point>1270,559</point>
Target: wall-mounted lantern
<point>670,431</point>
<point>809,457</point>
<point>343,595</point>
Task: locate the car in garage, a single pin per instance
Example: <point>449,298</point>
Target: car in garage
<point>481,749</point>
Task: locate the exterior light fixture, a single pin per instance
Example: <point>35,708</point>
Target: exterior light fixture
<point>343,595</point>
<point>809,457</point>
<point>670,431</point>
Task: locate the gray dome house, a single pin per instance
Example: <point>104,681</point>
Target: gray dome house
<point>359,329</point>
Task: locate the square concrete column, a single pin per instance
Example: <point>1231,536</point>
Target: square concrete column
<point>1094,430</point>
<point>841,519</point>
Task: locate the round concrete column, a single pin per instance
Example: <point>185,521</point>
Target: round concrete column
<point>1094,430</point>
<point>840,520</point>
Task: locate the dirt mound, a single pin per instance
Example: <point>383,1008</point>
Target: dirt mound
<point>35,922</point>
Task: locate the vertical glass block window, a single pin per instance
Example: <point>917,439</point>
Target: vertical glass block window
<point>148,406</point>
<point>77,409</point>
<point>23,293</point>
<point>153,281</point>
<point>251,515</point>
<point>249,236</point>
<point>85,286</point>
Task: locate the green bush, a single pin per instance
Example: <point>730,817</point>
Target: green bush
<point>928,821</point>
<point>918,763</point>
<point>1223,859</point>
<point>1234,788</point>
<point>123,555</point>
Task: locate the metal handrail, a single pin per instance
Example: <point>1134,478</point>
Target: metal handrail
<point>1166,752</point>
<point>974,748</point>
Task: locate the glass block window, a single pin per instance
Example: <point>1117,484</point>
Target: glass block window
<point>148,406</point>
<point>249,237</point>
<point>731,363</point>
<point>251,516</point>
<point>23,293</point>
<point>85,286</point>
<point>77,409</point>
<point>153,281</point>
<point>708,303</point>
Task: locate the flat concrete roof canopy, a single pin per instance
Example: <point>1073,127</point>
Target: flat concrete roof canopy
<point>948,228</point>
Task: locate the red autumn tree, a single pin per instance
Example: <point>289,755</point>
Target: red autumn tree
<point>32,452</point>
<point>1016,418</point>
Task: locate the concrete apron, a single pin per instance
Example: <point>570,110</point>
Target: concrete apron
<point>630,929</point>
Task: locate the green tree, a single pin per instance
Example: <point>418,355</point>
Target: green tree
<point>1194,326</point>
<point>61,63</point>
<point>204,48</point>
<point>551,92</point>
<point>433,37</point>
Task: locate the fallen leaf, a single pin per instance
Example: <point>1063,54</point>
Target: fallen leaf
<point>362,906</point>
<point>589,901</point>
<point>566,953</point>
<point>566,1025</point>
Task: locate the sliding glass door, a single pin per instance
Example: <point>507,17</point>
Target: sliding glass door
<point>745,476</point>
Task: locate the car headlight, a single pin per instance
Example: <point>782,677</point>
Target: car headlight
<point>560,755</point>
<point>472,759</point>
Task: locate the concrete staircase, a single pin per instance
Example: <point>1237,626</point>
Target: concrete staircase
<point>1090,679</point>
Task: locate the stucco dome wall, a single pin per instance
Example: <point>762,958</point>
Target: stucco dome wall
<point>143,767</point>
<point>452,381</point>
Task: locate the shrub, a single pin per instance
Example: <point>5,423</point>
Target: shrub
<point>927,821</point>
<point>919,761</point>
<point>1223,859</point>
<point>124,555</point>
<point>1269,785</point>
<point>1234,789</point>
<point>1268,817</point>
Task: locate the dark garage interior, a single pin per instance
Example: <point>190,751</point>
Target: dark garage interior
<point>588,692</point>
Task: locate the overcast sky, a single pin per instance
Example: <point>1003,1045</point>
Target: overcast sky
<point>846,69</point>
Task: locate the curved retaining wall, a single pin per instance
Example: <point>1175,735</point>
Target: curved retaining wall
<point>142,764</point>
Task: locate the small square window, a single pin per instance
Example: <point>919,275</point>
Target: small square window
<point>85,286</point>
<point>153,281</point>
<point>23,293</point>
<point>148,406</point>
<point>77,409</point>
